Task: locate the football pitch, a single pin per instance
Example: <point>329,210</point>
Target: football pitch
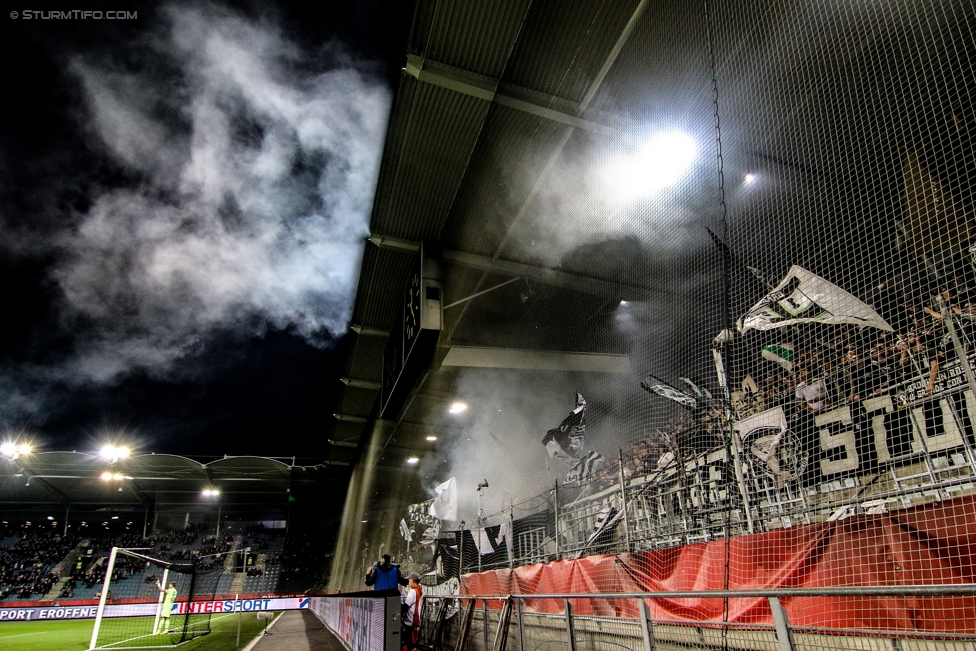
<point>75,635</point>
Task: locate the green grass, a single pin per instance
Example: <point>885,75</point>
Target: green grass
<point>74,635</point>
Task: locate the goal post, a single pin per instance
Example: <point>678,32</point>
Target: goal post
<point>154,613</point>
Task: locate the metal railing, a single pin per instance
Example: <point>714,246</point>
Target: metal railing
<point>896,618</point>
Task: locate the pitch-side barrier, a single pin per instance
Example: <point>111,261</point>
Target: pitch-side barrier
<point>625,621</point>
<point>364,621</point>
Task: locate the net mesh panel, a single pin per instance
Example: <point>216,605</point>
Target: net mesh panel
<point>840,451</point>
<point>138,622</point>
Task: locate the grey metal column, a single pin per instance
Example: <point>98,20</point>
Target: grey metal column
<point>521,630</point>
<point>783,632</point>
<point>504,619</point>
<point>570,629</point>
<point>555,508</point>
<point>485,622</point>
<point>465,625</point>
<point>623,497</point>
<point>647,628</point>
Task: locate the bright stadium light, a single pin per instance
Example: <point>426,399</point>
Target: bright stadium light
<point>13,450</point>
<point>413,460</point>
<point>457,407</point>
<point>431,438</point>
<point>113,453</point>
<point>660,162</point>
<point>210,492</point>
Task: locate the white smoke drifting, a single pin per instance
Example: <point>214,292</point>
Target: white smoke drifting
<point>500,436</point>
<point>254,173</point>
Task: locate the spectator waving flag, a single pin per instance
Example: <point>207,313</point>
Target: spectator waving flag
<point>565,442</point>
<point>444,506</point>
<point>805,297</point>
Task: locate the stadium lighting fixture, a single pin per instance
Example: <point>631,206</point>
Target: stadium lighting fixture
<point>749,179</point>
<point>458,407</point>
<point>13,450</point>
<point>657,163</point>
<point>113,453</point>
<point>413,460</point>
<point>210,492</point>
<point>431,438</point>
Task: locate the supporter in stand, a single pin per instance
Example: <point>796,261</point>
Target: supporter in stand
<point>413,600</point>
<point>385,575</point>
<point>810,391</point>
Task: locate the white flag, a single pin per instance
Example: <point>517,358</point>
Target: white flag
<point>405,531</point>
<point>444,506</point>
<point>804,297</point>
<point>482,541</point>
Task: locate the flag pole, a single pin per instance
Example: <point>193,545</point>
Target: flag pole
<point>724,337</point>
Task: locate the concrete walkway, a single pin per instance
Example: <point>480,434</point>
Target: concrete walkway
<point>298,630</point>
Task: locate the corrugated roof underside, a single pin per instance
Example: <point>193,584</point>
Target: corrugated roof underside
<point>365,361</point>
<point>436,143</point>
<point>564,44</point>
<point>475,36</point>
<point>382,279</point>
<point>357,402</point>
<point>513,147</point>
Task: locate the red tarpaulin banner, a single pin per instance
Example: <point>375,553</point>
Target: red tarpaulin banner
<point>932,544</point>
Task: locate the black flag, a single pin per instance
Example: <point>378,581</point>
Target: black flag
<point>565,442</point>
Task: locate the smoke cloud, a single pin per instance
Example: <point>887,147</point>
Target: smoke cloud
<point>245,175</point>
<point>500,435</point>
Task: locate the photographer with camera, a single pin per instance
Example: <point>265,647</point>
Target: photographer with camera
<point>385,575</point>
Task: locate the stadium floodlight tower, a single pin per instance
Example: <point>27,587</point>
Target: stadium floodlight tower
<point>158,614</point>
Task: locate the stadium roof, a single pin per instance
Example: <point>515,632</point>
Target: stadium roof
<point>149,480</point>
<point>492,99</point>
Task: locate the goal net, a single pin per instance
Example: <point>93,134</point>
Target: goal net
<point>160,604</point>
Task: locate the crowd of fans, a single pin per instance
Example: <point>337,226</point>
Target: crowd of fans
<point>29,555</point>
<point>27,566</point>
<point>832,366</point>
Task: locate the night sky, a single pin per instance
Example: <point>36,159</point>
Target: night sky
<point>184,198</point>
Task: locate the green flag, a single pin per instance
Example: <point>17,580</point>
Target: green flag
<point>782,354</point>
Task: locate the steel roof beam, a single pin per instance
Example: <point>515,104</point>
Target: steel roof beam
<point>360,384</point>
<point>551,277</point>
<point>503,94</point>
<point>474,357</point>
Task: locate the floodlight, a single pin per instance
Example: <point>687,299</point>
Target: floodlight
<point>431,438</point>
<point>457,407</point>
<point>13,450</point>
<point>658,163</point>
<point>413,460</point>
<point>113,453</point>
